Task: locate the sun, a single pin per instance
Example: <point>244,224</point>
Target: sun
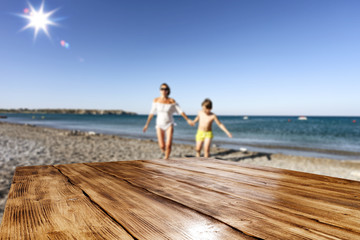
<point>38,19</point>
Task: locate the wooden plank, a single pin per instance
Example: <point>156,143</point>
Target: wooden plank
<point>328,199</point>
<point>334,182</point>
<point>42,204</point>
<point>196,175</point>
<point>279,178</point>
<point>305,179</point>
<point>212,196</point>
<point>144,214</point>
<point>178,199</point>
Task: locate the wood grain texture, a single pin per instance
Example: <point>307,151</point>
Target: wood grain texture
<point>178,199</point>
<point>144,214</point>
<point>42,204</point>
<point>243,206</point>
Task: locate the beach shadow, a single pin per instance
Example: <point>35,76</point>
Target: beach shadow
<point>224,153</point>
<point>217,154</point>
<point>237,159</point>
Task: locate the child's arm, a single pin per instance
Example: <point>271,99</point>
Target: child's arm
<point>222,126</point>
<point>196,119</point>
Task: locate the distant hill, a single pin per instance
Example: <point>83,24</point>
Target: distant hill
<point>68,111</point>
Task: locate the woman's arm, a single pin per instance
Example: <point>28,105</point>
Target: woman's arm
<point>178,110</point>
<point>222,126</point>
<point>148,122</point>
<point>191,123</point>
<point>151,115</point>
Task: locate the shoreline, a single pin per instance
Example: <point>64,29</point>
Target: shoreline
<point>217,146</point>
<point>26,145</point>
<point>226,144</point>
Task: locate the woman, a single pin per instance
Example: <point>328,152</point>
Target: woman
<point>165,107</point>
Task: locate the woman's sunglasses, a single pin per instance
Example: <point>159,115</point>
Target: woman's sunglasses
<point>164,89</point>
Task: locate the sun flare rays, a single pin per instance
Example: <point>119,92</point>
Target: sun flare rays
<point>38,19</point>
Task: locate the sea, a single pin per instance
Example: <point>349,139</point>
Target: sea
<point>330,137</point>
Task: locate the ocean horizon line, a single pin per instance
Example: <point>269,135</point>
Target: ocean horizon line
<point>27,111</point>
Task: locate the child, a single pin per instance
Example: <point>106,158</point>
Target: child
<point>204,133</point>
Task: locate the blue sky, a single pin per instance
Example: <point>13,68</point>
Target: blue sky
<point>251,57</point>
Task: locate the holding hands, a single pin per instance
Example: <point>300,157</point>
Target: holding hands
<point>190,122</point>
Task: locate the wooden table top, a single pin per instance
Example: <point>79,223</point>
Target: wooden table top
<point>178,199</point>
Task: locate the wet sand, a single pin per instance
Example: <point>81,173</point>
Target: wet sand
<point>24,145</point>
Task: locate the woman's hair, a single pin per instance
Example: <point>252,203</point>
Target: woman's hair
<point>207,103</point>
<point>167,86</point>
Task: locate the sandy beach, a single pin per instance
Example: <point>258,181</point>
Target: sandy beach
<point>25,145</point>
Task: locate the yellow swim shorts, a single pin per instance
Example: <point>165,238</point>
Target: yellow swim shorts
<point>201,135</point>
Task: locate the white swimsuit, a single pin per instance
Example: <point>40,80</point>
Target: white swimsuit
<point>165,113</point>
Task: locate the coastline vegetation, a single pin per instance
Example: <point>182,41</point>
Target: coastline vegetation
<point>68,111</point>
